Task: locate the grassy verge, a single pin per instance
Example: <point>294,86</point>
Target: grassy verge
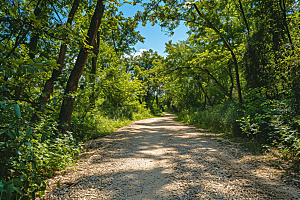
<point>271,155</point>
<point>98,123</point>
<point>250,145</point>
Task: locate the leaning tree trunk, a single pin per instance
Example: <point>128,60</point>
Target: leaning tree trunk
<point>35,36</point>
<point>205,94</point>
<point>226,44</point>
<point>48,88</point>
<point>283,9</point>
<point>92,77</point>
<point>72,84</point>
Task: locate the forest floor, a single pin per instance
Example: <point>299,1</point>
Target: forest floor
<point>159,158</point>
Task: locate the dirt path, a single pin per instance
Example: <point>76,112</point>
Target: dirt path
<point>161,159</point>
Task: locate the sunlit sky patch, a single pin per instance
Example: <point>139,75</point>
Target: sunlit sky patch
<point>155,37</point>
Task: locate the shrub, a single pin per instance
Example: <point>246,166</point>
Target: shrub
<point>218,118</point>
<point>28,153</point>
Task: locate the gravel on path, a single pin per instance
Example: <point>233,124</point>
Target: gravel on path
<point>159,158</point>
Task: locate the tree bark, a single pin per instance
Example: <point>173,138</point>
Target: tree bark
<point>94,59</point>
<point>283,9</point>
<point>205,94</point>
<point>92,97</point>
<point>48,88</point>
<point>19,41</point>
<point>34,39</point>
<point>253,63</point>
<point>231,80</point>
<point>244,16</point>
<point>72,84</point>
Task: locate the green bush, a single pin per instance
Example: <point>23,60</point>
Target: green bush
<point>272,123</point>
<point>28,153</point>
<point>218,118</point>
<point>99,122</point>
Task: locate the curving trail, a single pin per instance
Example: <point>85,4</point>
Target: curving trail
<point>161,159</point>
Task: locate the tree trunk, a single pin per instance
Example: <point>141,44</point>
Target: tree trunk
<point>94,59</point>
<point>34,39</point>
<point>72,84</point>
<point>231,80</point>
<point>23,37</point>
<point>283,9</point>
<point>48,88</point>
<point>237,77</point>
<point>205,94</point>
<point>92,97</point>
<point>156,97</point>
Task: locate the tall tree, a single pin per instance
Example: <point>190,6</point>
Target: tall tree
<point>48,88</point>
<point>72,84</point>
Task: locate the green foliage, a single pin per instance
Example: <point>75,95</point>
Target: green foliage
<point>28,154</point>
<point>272,123</point>
<point>98,123</point>
<point>221,118</point>
<point>199,73</point>
<point>196,79</point>
<point>34,71</point>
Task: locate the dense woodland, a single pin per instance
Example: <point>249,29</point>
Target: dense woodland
<point>68,75</point>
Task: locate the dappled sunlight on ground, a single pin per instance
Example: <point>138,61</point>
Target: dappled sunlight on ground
<point>161,159</point>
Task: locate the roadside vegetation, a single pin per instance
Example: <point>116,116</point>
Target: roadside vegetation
<point>68,74</point>
<point>237,73</point>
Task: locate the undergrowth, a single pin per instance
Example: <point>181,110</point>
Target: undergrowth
<point>262,126</point>
<point>98,124</point>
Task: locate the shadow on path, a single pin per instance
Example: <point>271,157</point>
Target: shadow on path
<point>161,159</point>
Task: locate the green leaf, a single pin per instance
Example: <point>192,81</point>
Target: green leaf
<point>44,69</point>
<point>2,47</point>
<point>6,108</point>
<point>58,184</point>
<point>35,68</point>
<point>3,105</point>
<point>31,70</point>
<point>24,69</point>
<point>17,132</point>
<point>17,182</point>
<point>18,152</point>
<point>3,86</point>
<point>39,181</point>
<point>9,190</point>
<point>33,165</point>
<point>9,73</point>
<point>29,131</point>
<point>11,135</point>
<point>3,144</point>
<point>14,9</point>
<point>17,189</point>
<point>22,164</point>
<point>43,138</point>
<point>31,62</point>
<point>17,110</point>
<point>3,130</point>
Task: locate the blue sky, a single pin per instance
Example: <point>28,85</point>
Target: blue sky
<point>155,38</point>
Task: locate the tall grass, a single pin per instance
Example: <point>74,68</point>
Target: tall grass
<point>98,123</point>
<point>220,118</point>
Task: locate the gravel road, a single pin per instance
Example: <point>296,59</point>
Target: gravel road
<point>161,159</point>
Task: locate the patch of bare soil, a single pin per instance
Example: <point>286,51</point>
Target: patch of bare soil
<point>161,159</point>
